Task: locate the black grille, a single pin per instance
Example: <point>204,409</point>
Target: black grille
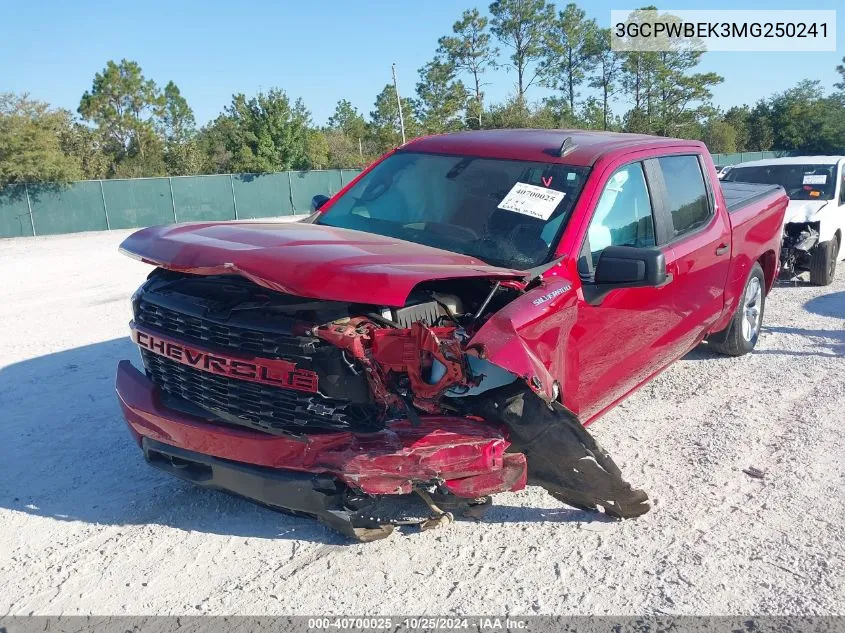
<point>227,313</point>
<point>265,408</point>
<point>192,329</point>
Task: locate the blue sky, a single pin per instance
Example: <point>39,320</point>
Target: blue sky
<point>321,50</point>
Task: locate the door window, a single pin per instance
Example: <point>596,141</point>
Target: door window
<point>623,215</point>
<point>686,193</point>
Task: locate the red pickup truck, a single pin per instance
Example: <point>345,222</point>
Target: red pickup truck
<point>445,325</point>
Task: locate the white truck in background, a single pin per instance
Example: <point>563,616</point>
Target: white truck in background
<point>815,218</point>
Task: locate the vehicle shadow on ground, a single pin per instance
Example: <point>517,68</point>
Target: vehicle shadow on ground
<point>823,342</point>
<point>562,514</point>
<point>703,352</point>
<point>788,284</point>
<point>831,305</point>
<point>69,456</point>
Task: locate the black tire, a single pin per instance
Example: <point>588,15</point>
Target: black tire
<point>740,337</point>
<point>823,262</point>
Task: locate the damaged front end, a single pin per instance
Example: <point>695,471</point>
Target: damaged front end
<point>799,239</point>
<point>324,407</point>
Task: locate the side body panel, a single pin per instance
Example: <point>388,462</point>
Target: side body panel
<point>699,264</point>
<point>831,217</point>
<point>615,346</point>
<point>599,354</point>
<point>756,237</point>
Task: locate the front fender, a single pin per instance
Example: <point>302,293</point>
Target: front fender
<point>528,336</point>
<point>831,219</point>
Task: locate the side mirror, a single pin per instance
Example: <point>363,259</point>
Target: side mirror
<point>626,267</point>
<point>318,201</point>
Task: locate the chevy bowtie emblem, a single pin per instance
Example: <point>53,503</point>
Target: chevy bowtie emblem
<point>320,409</point>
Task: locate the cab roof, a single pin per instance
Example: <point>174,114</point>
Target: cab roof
<point>541,145</point>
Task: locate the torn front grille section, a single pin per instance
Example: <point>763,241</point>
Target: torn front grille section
<point>260,407</point>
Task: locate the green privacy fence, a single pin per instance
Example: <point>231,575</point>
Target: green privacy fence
<point>741,157</point>
<point>99,205</point>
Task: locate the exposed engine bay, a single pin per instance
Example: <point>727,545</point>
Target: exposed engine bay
<point>799,239</point>
<point>225,349</point>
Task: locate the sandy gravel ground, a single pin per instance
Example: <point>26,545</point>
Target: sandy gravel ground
<point>86,527</point>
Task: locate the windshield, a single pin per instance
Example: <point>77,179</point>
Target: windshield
<point>802,182</point>
<point>505,212</point>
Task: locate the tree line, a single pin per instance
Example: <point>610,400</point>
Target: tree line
<point>127,126</point>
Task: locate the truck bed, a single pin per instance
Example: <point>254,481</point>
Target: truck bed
<point>740,194</point>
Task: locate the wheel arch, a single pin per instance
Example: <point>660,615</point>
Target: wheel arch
<point>768,262</point>
<point>829,225</point>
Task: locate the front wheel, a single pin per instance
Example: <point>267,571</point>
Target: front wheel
<point>742,333</point>
<point>823,262</point>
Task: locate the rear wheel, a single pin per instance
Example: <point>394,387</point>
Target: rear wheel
<point>823,262</point>
<point>742,333</point>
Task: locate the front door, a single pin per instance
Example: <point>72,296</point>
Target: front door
<point>620,342</point>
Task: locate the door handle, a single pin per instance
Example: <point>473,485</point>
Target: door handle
<point>722,249</point>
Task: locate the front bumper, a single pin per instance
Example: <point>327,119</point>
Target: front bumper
<point>322,497</point>
<point>466,456</point>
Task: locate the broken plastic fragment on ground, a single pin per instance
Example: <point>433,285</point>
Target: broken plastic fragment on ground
<point>562,456</point>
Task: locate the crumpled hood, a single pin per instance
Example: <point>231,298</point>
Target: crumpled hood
<point>803,210</point>
<point>307,260</point>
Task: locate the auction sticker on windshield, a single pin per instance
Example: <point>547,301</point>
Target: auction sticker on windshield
<point>815,179</point>
<point>531,200</point>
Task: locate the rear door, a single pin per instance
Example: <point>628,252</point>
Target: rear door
<point>698,250</point>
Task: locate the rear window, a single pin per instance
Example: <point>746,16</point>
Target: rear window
<point>802,182</point>
<point>686,192</point>
<point>504,212</point>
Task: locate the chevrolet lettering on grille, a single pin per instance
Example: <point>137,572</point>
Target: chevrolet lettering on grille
<point>277,373</point>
